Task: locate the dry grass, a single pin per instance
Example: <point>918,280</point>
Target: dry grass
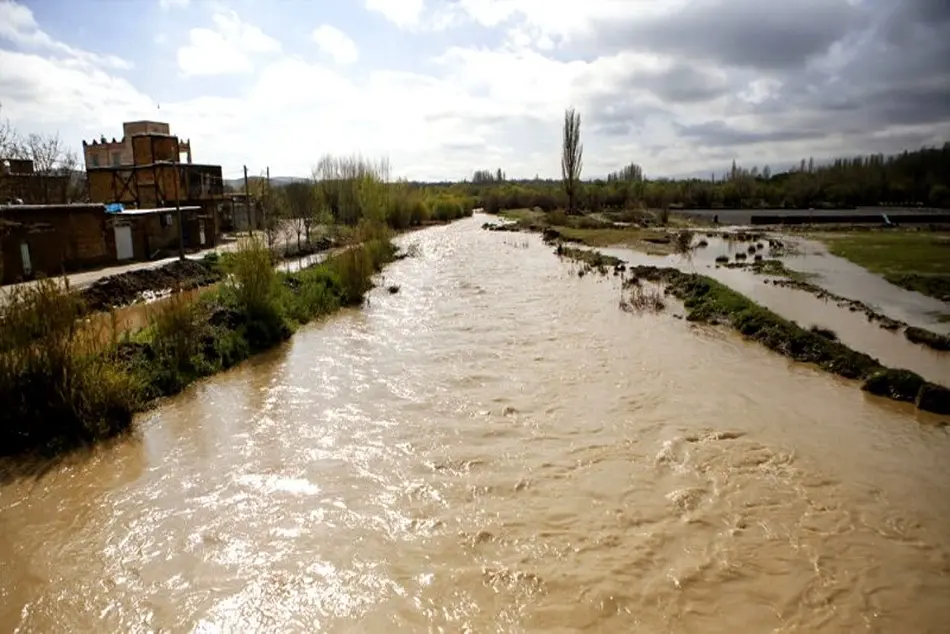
<point>643,297</point>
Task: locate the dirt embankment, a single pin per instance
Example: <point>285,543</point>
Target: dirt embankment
<point>126,288</point>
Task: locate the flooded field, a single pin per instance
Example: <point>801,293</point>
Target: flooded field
<point>498,448</point>
<point>832,273</point>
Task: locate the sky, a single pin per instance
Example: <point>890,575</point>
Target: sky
<point>444,87</point>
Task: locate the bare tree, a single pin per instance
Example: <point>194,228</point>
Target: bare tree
<point>54,163</point>
<point>11,147</point>
<point>572,157</point>
<point>301,208</point>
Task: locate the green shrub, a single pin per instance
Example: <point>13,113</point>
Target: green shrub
<point>58,386</point>
<point>445,209</point>
<point>253,280</point>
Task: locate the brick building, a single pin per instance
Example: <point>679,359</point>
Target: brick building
<point>150,168</point>
<point>52,239</point>
<point>147,234</point>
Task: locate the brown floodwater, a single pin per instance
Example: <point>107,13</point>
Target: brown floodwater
<point>495,448</point>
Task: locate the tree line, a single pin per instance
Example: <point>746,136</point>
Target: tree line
<point>911,178</point>
<point>348,191</point>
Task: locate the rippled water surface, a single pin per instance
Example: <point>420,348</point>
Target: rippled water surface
<point>496,448</point>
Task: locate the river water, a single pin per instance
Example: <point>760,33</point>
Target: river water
<point>495,448</point>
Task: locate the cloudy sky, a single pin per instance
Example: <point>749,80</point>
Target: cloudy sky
<point>443,87</point>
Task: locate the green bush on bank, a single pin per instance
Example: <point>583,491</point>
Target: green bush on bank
<point>57,386</point>
<point>63,387</point>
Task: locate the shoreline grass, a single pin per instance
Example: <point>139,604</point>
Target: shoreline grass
<point>64,389</point>
<point>595,231</point>
<point>913,260</point>
<point>709,301</point>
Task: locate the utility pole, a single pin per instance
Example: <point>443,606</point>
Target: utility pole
<point>266,205</point>
<point>247,205</point>
<point>181,225</point>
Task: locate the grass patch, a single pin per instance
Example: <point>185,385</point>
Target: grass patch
<point>914,260</point>
<point>643,298</point>
<point>937,286</point>
<point>827,333</point>
<point>927,338</point>
<point>771,267</point>
<point>592,231</point>
<point>590,257</point>
<point>62,388</point>
<point>707,300</point>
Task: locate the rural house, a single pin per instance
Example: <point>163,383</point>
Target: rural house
<point>144,170</point>
<point>52,239</point>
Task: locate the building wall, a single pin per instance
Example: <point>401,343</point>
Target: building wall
<point>154,232</point>
<point>108,154</point>
<point>131,128</point>
<point>36,189</point>
<point>88,235</point>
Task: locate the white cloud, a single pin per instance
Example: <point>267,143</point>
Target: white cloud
<point>402,13</point>
<point>18,26</point>
<point>226,49</point>
<point>336,44</point>
<point>170,4</point>
<point>460,107</point>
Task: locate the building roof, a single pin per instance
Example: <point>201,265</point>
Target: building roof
<point>156,210</point>
<point>57,207</point>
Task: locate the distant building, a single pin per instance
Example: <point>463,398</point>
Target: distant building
<point>21,183</point>
<point>150,168</point>
<point>240,212</point>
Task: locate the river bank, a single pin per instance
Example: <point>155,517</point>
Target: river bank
<point>68,388</point>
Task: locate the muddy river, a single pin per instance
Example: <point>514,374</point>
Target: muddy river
<point>496,448</point>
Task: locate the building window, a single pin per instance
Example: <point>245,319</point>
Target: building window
<point>95,160</point>
<point>116,159</point>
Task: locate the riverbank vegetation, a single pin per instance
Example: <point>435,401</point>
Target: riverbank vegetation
<point>597,231</point>
<point>914,260</point>
<point>346,190</point>
<point>62,387</point>
<point>709,301</point>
